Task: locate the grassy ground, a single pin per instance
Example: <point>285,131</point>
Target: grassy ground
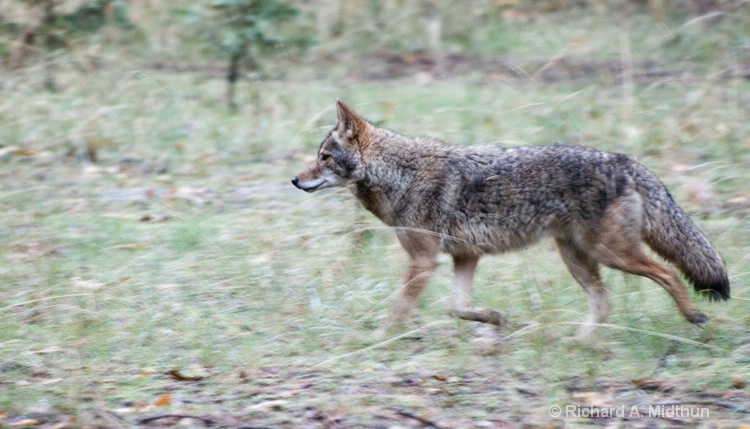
<point>182,274</point>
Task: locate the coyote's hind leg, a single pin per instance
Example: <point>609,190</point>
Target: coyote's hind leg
<point>585,270</point>
<point>618,246</point>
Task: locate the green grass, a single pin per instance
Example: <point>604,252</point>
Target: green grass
<point>215,265</point>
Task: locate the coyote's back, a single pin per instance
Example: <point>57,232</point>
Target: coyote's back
<point>470,201</point>
<point>487,199</point>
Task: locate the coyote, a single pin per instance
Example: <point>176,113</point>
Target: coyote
<point>469,201</point>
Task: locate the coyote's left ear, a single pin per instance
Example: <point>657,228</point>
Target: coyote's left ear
<point>350,125</point>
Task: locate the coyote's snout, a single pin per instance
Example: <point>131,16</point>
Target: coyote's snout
<point>478,200</point>
<point>317,177</point>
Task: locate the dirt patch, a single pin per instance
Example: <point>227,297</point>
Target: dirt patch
<point>292,397</point>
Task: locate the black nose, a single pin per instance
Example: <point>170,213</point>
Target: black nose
<point>295,182</point>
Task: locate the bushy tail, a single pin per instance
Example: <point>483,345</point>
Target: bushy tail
<point>671,234</point>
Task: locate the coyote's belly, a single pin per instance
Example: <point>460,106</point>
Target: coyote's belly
<point>502,231</point>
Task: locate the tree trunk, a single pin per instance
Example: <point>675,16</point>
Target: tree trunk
<point>47,28</point>
<point>233,74</point>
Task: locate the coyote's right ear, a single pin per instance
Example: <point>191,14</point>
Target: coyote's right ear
<point>350,125</point>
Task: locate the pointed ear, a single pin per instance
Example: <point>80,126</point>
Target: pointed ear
<point>350,125</point>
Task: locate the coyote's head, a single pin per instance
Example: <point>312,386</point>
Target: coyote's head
<point>339,161</point>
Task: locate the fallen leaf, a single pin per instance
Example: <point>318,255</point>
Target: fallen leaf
<point>67,423</point>
<point>163,400</point>
<point>24,423</point>
<point>155,218</point>
<point>131,246</point>
<point>26,152</point>
<point>242,374</point>
<point>650,384</point>
<point>40,373</point>
<point>176,375</point>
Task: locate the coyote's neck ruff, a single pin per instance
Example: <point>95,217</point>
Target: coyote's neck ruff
<point>470,201</point>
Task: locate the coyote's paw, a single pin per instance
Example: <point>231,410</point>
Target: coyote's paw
<point>697,317</point>
<point>493,317</point>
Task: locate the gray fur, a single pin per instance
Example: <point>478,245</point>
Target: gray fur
<point>474,200</point>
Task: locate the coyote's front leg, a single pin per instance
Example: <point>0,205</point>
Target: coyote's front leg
<point>423,250</point>
<point>420,272</point>
<point>460,305</point>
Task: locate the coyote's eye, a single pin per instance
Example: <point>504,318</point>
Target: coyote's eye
<point>324,157</point>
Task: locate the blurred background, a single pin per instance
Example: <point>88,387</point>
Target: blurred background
<point>156,259</point>
<point>252,45</point>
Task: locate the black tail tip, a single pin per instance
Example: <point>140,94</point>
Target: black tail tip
<point>718,291</point>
